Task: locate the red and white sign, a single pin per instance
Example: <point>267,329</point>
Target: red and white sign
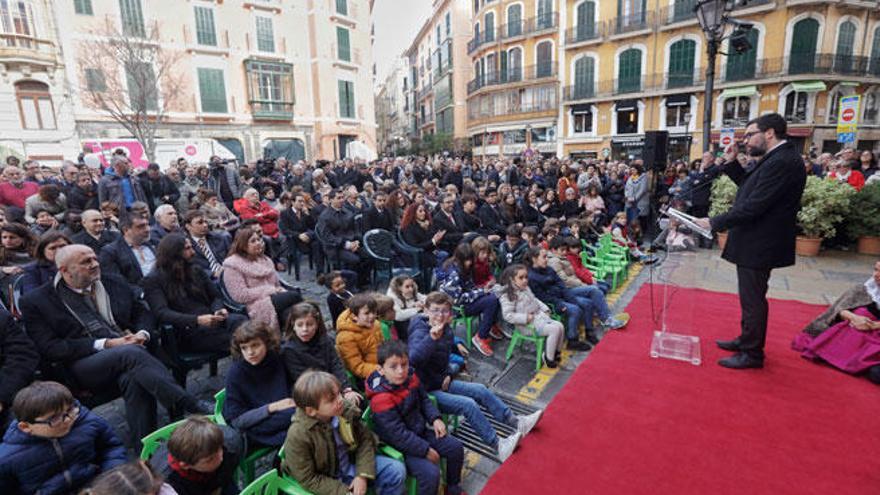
<point>191,150</point>
<point>848,115</point>
<point>728,137</point>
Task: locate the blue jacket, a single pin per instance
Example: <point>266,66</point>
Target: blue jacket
<point>461,289</point>
<point>429,357</point>
<point>37,274</point>
<point>546,285</point>
<point>30,464</point>
<point>401,413</point>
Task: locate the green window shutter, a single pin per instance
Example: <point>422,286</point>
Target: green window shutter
<point>489,28</point>
<point>681,63</point>
<point>875,53</point>
<point>586,20</point>
<point>545,14</point>
<point>132,18</point>
<point>741,66</point>
<point>265,35</point>
<point>205,33</point>
<point>342,7</point>
<point>343,44</point>
<point>629,76</point>
<point>584,75</point>
<point>143,91</point>
<point>514,20</point>
<point>212,90</point>
<point>346,99</point>
<point>95,80</point>
<point>545,59</point>
<point>83,7</point>
<point>846,39</point>
<point>802,58</point>
<point>504,67</point>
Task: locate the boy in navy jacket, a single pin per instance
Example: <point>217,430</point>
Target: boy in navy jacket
<point>401,413</point>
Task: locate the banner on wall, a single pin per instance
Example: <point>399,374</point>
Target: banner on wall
<point>167,150</point>
<point>848,118</point>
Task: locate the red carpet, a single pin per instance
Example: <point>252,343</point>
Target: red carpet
<point>629,424</point>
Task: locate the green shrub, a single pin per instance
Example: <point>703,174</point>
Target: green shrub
<point>863,217</point>
<point>824,205</point>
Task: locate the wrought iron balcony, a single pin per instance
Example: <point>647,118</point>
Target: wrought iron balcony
<point>513,75</point>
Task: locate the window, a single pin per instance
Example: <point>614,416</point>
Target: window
<point>35,105</point>
<point>584,78</point>
<point>627,117</point>
<point>514,64</point>
<point>83,7</point>
<point>212,90</point>
<point>586,21</point>
<point>875,53</point>
<point>143,93</point>
<point>678,111</point>
<point>18,19</point>
<point>265,35</point>
<point>741,66</point>
<point>514,20</point>
<point>476,6</point>
<point>95,80</point>
<point>582,117</point>
<point>796,107</point>
<point>545,14</point>
<point>544,56</point>
<point>270,86</point>
<point>846,39</point>
<point>132,18</point>
<point>683,10</point>
<point>631,15</point>
<point>491,64</point>
<point>681,63</point>
<point>342,7</point>
<point>871,104</point>
<point>834,101</point>
<point>448,25</point>
<point>629,74</point>
<point>489,26</point>
<point>736,111</point>
<point>346,100</point>
<point>804,38</point>
<point>343,44</point>
<point>437,35</point>
<point>205,34</point>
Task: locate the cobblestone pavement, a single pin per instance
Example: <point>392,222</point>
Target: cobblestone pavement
<point>814,280</point>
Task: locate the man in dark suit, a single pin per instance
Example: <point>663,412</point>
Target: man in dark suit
<point>339,237</point>
<point>210,247</point>
<point>96,328</point>
<point>379,217</point>
<point>131,256</point>
<point>18,362</point>
<point>490,217</point>
<point>444,219</point>
<point>761,228</point>
<point>94,234</point>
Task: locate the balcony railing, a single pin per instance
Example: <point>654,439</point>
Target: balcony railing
<point>680,11</point>
<point>271,110</point>
<point>585,32</point>
<point>534,25</point>
<point>820,64</point>
<point>442,69</point>
<point>579,92</point>
<point>442,99</point>
<point>425,91</point>
<point>633,22</point>
<point>513,75</point>
<point>27,47</point>
<point>511,108</point>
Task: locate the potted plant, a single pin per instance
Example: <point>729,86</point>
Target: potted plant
<point>824,205</point>
<point>721,199</point>
<point>863,219</point>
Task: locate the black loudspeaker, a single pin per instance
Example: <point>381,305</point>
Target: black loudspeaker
<point>655,152</point>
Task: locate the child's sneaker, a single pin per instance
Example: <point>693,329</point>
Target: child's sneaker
<point>616,322</point>
<point>496,333</point>
<point>482,346</point>
<point>524,424</point>
<point>507,445</point>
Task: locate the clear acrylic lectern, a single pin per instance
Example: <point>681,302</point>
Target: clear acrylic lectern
<point>678,270</point>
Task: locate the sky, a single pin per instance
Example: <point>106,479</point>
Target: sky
<point>397,22</point>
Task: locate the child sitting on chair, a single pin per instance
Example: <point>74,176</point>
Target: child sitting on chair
<point>527,313</point>
<point>56,445</point>
<point>619,233</point>
<point>401,412</point>
<point>329,450</point>
<point>306,346</point>
<point>258,401</point>
<point>335,283</point>
<point>358,335</point>
<point>202,458</point>
<point>408,302</point>
<point>385,313</point>
<point>430,343</point>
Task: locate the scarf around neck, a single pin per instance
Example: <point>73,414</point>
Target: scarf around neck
<point>873,290</point>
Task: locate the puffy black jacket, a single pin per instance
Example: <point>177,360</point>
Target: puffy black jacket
<point>546,285</point>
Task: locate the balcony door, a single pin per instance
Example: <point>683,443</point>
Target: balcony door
<point>804,39</point>
<point>586,20</point>
<point>741,66</point>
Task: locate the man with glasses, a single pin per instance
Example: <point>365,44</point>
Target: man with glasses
<point>57,445</point>
<point>210,247</point>
<point>761,226</point>
<point>446,219</point>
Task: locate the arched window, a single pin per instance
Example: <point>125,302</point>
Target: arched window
<point>491,69</point>
<point>477,33</point>
<point>875,53</point>
<point>545,14</point>
<point>35,105</point>
<point>736,111</point>
<point>17,19</point>
<point>804,39</point>
<point>834,101</point>
<point>514,64</point>
<point>489,26</point>
<point>544,57</point>
<point>629,71</point>
<point>871,104</point>
<point>681,63</point>
<point>584,78</point>
<point>741,66</point>
<point>586,21</point>
<point>846,40</point>
<point>514,20</point>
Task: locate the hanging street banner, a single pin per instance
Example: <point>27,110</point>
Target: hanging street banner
<point>848,119</point>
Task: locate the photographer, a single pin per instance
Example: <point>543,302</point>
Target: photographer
<point>224,180</point>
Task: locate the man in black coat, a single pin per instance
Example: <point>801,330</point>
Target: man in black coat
<point>97,329</point>
<point>445,219</point>
<point>18,361</point>
<point>377,216</point>
<point>490,217</point>
<point>339,237</point>
<point>94,233</point>
<point>210,247</point>
<point>761,228</point>
<point>83,195</point>
<point>159,189</point>
<point>454,177</point>
<point>132,255</point>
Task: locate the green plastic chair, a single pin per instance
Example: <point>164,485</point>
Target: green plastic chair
<point>153,441</point>
<point>303,491</point>
<point>468,322</point>
<point>386,329</point>
<point>247,468</point>
<point>518,338</point>
<point>273,483</point>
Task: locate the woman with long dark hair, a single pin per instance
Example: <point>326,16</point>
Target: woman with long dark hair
<point>43,269</point>
<point>181,294</point>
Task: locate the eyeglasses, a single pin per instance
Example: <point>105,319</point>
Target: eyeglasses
<point>440,312</point>
<point>750,134</point>
<point>70,414</point>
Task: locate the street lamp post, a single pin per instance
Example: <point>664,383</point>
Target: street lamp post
<point>712,15</point>
<point>687,134</point>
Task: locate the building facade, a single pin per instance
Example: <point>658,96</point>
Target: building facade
<point>626,66</point>
<point>393,108</point>
<point>36,119</point>
<point>290,76</point>
<point>439,71</point>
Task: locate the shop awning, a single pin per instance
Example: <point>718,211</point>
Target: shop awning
<point>583,107</point>
<point>849,83</point>
<point>678,100</point>
<point>739,91</point>
<point>808,86</point>
<point>624,105</point>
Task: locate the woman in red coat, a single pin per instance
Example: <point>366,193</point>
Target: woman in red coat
<point>250,206</point>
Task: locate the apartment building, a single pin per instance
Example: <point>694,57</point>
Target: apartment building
<point>393,108</point>
<point>291,76</point>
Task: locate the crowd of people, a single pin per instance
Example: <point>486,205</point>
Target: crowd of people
<point>95,260</point>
